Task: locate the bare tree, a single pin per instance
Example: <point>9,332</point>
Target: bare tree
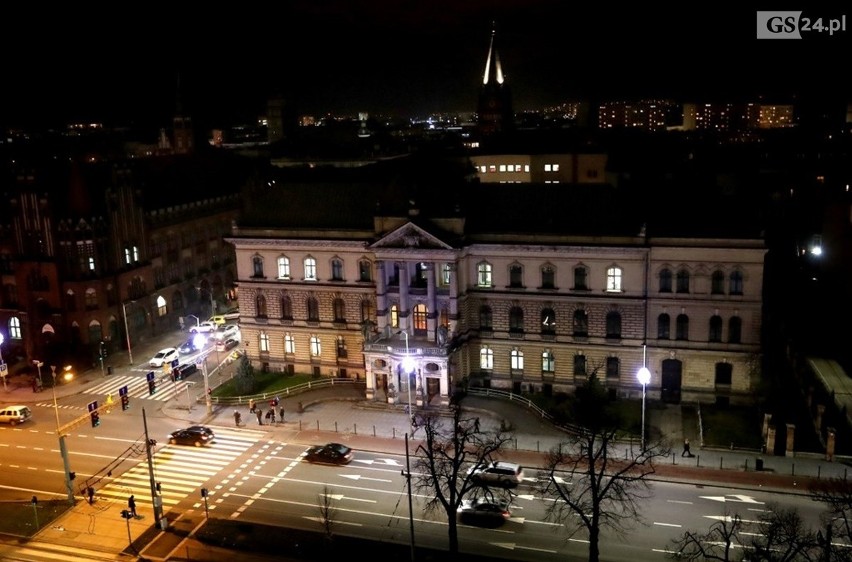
<point>327,513</point>
<point>718,543</point>
<point>836,494</point>
<point>597,482</point>
<point>783,537</point>
<point>450,445</point>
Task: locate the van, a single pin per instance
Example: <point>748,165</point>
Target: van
<point>14,415</point>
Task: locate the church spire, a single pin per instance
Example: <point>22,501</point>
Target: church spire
<point>494,112</point>
<point>493,69</point>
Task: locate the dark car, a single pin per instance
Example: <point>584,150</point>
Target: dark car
<point>197,435</point>
<point>188,346</point>
<point>184,370</point>
<point>330,453</point>
<point>484,512</point>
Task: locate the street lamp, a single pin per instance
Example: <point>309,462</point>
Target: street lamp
<point>127,331</point>
<point>63,450</point>
<point>408,368</point>
<point>38,365</point>
<point>199,341</point>
<point>2,365</point>
<point>644,376</point>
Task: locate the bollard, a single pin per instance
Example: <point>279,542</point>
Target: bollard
<point>538,446</point>
<point>745,467</point>
<point>335,426</point>
<point>698,461</point>
<point>819,471</point>
<point>355,428</point>
<point>721,459</point>
<point>673,459</point>
<point>300,425</point>
<point>317,425</point>
<point>374,431</point>
<point>793,469</point>
<point>393,432</point>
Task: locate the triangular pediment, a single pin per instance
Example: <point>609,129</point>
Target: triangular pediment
<point>412,236</point>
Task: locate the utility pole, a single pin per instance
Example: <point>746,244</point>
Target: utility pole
<point>407,475</point>
<point>157,500</point>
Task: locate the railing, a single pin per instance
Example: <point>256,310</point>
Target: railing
<point>284,392</point>
<point>529,404</point>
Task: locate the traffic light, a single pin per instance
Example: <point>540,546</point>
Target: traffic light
<point>125,402</point>
<point>152,386</point>
<point>103,350</point>
<point>96,418</point>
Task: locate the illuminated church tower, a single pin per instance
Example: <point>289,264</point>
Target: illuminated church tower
<point>494,112</point>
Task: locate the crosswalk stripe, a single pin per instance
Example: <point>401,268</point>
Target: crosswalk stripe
<point>37,550</point>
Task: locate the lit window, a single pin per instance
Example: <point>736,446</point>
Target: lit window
<point>394,316</point>
<point>283,267</point>
<point>484,274</point>
<point>264,342</point>
<point>486,358</point>
<point>162,308</point>
<point>289,344</point>
<point>547,168</point>
<point>310,269</point>
<point>446,270</point>
<point>548,363</point>
<point>316,346</point>
<point>502,167</point>
<point>15,328</point>
<point>613,279</point>
<point>517,360</point>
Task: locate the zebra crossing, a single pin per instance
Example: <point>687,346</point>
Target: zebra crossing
<point>137,387</point>
<point>179,469</point>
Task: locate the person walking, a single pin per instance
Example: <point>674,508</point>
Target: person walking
<point>91,493</point>
<point>686,452</point>
<point>257,413</point>
<point>251,405</point>
<point>281,414</point>
<point>271,415</point>
<point>131,505</point>
<point>476,425</point>
<point>237,417</point>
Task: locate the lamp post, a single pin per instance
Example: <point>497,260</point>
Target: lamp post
<point>644,376</point>
<point>63,450</point>
<point>2,364</point>
<point>199,341</point>
<point>127,331</point>
<point>408,367</point>
<point>38,365</point>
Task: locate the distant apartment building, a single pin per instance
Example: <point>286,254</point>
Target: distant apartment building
<point>541,168</point>
<point>649,115</point>
<point>737,117</point>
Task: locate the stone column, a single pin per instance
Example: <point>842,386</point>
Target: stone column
<point>404,300</point>
<point>432,302</point>
<point>381,296</point>
<point>790,450</point>
<point>454,300</point>
<point>766,418</point>
<point>770,440</point>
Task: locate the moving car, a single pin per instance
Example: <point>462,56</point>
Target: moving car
<point>218,319</point>
<point>184,370</point>
<point>13,415</point>
<point>204,327</point>
<point>166,355</point>
<point>484,512</point>
<point>226,331</point>
<point>330,453</point>
<point>227,344</point>
<point>497,473</point>
<point>197,435</point>
<point>188,346</point>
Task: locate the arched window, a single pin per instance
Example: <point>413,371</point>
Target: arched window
<point>717,283</point>
<point>339,310</point>
<point>367,311</point>
<point>516,276</point>
<point>419,315</point>
<point>581,324</point>
<point>736,283</point>
<point>612,367</point>
<point>289,344</point>
<point>548,362</point>
<point>735,329</point>
<point>70,301</point>
<point>310,269</point>
<point>664,326</point>
<point>264,342</point>
<point>286,308</point>
<point>581,275</point>
<point>715,329</point>
<point>517,360</point>
<point>257,264</point>
<point>394,316</point>
<point>365,270</point>
<point>162,306</point>
<point>516,319</point>
<point>91,298</point>
<point>483,274</point>
<point>312,306</point>
<point>682,327</point>
<point>486,358</point>
<point>337,269</point>
<point>548,277</point>
<point>613,279</point>
<point>261,305</point>
<point>283,267</point>
<point>485,318</point>
<point>548,321</point>
<point>316,346</point>
<point>666,281</point>
<point>613,324</point>
<point>683,281</point>
<point>15,328</point>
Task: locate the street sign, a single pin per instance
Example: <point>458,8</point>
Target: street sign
<point>122,391</point>
<point>150,376</point>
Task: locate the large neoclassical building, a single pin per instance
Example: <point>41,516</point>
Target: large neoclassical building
<point>416,278</point>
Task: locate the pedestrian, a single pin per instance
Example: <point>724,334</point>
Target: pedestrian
<point>281,414</point>
<point>91,493</point>
<point>272,415</point>
<point>686,452</point>
<point>131,505</point>
<point>251,405</point>
<point>476,425</point>
<point>237,417</point>
<point>257,413</point>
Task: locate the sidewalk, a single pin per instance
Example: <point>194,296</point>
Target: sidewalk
<point>340,413</point>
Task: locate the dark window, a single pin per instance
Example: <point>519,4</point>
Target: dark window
<point>313,309</point>
<point>516,276</point>
<point>613,325</point>
<point>548,321</point>
<point>581,323</point>
<point>579,365</point>
<point>735,329</point>
<point>612,364</point>
<point>261,306</point>
<point>485,318</point>
<point>724,373</point>
<point>366,310</point>
<point>337,270</point>
<point>736,287</point>
<point>580,274</point>
<point>419,275</point>
<point>286,308</point>
<point>339,310</point>
<point>364,271</point>
<point>258,266</point>
<point>715,329</point>
<point>717,284</point>
<point>664,326</point>
<point>341,347</point>
<point>682,327</point>
<point>548,278</point>
<point>683,281</point>
<point>666,281</point>
<point>516,319</point>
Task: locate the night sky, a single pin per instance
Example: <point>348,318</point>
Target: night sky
<point>399,57</point>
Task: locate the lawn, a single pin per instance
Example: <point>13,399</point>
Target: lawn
<point>22,519</point>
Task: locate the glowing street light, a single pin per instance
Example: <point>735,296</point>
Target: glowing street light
<point>644,376</point>
<point>199,340</point>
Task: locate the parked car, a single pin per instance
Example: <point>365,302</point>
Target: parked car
<point>227,344</point>
<point>206,327</point>
<point>184,370</point>
<point>13,415</point>
<point>196,435</point>
<point>219,320</point>
<point>226,331</point>
<point>484,512</point>
<point>330,453</point>
<point>166,355</point>
<point>497,473</point>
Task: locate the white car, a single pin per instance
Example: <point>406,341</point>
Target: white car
<point>227,331</point>
<point>204,327</point>
<point>166,355</point>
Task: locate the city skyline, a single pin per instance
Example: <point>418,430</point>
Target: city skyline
<point>402,59</point>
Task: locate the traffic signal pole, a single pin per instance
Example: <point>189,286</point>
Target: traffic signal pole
<point>159,520</point>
